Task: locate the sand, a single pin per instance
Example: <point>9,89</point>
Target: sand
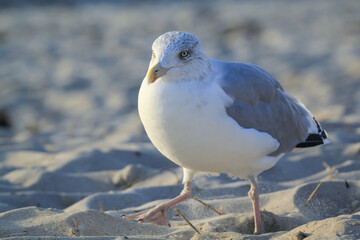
<point>74,156</point>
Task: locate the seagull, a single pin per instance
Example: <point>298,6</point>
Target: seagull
<point>212,116</point>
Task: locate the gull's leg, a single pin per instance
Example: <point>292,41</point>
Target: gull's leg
<point>158,214</point>
<point>254,196</point>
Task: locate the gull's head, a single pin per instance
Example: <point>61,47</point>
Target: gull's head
<point>177,56</point>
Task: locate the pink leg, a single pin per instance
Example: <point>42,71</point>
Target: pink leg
<point>158,214</point>
<point>254,196</point>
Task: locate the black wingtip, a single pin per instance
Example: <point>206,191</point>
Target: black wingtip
<point>313,139</point>
<point>309,144</point>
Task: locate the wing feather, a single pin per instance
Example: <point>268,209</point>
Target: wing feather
<point>260,102</point>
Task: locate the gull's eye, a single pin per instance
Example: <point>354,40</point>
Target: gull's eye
<point>153,54</point>
<point>184,54</point>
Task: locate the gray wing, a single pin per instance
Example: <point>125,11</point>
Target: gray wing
<point>261,103</point>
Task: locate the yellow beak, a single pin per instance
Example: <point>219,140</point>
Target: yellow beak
<point>156,72</point>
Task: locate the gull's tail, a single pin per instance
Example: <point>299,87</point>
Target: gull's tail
<point>314,139</point>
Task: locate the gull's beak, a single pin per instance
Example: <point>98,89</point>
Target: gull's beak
<point>156,72</point>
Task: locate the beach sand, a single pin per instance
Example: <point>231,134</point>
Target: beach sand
<point>74,156</point>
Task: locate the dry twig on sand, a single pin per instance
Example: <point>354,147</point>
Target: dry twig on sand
<point>332,171</point>
<point>76,227</point>
<point>187,221</point>
<point>34,130</point>
<point>313,194</point>
<point>208,206</point>
<point>101,207</point>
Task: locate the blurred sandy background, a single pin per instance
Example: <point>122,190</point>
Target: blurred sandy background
<point>70,136</point>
